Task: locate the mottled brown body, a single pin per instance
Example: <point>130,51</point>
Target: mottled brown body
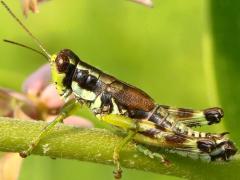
<point>161,125</point>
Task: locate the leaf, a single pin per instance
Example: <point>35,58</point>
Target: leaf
<point>225,31</point>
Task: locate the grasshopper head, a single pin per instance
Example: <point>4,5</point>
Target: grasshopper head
<point>63,66</point>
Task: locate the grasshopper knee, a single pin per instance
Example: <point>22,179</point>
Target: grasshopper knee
<point>213,115</point>
<point>23,154</point>
<point>217,150</point>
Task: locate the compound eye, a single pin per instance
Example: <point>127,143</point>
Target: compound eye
<point>62,63</point>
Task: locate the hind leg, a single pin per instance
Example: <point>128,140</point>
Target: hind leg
<point>191,117</point>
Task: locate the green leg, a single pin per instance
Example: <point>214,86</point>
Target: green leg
<point>67,109</point>
<point>116,157</point>
<point>152,155</point>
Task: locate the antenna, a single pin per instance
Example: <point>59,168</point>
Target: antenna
<point>25,46</point>
<point>26,29</point>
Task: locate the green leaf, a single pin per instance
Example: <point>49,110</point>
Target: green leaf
<point>225,17</point>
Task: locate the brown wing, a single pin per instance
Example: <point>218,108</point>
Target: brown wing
<point>130,97</point>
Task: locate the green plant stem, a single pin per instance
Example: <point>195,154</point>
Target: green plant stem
<point>96,145</point>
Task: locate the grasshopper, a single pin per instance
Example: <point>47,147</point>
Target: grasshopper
<point>131,110</point>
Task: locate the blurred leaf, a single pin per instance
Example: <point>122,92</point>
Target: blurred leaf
<point>10,164</point>
<point>225,30</point>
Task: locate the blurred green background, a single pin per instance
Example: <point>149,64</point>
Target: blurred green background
<point>183,53</point>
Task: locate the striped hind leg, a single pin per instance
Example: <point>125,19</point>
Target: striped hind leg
<point>208,148</point>
<point>192,118</point>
